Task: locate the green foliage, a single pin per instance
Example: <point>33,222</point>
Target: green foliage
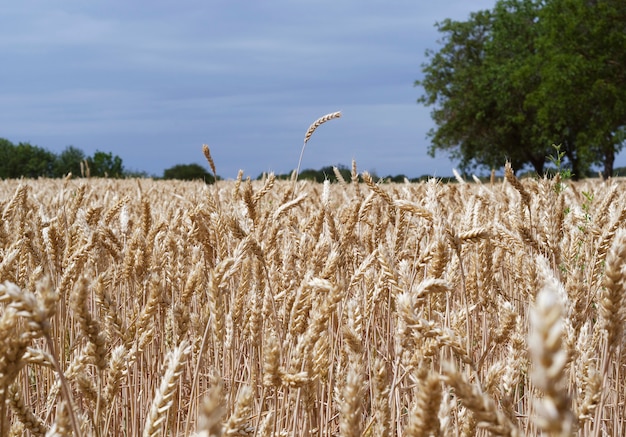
<point>26,160</point>
<point>557,160</point>
<point>563,172</point>
<point>477,83</point>
<point>582,99</point>
<point>106,165</point>
<point>69,161</point>
<point>137,174</point>
<point>6,149</point>
<point>325,173</point>
<point>188,172</point>
<point>509,81</point>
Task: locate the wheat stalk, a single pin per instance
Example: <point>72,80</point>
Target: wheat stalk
<point>317,123</point>
<point>334,312</point>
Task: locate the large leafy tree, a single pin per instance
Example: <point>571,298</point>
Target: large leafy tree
<point>511,73</point>
<point>581,102</point>
<point>511,81</point>
<point>450,83</point>
<point>478,82</point>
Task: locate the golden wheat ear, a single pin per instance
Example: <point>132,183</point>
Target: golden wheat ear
<point>307,136</point>
<point>207,154</point>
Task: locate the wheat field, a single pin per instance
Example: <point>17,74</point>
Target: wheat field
<point>283,308</point>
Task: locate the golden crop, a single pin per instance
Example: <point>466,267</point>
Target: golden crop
<point>271,308</point>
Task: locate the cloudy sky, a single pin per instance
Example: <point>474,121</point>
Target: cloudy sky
<point>151,81</point>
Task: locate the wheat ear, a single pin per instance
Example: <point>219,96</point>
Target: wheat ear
<point>485,409</point>
<point>317,123</point>
<point>164,397</point>
<point>550,357</point>
<point>207,154</point>
<point>212,413</point>
<point>612,313</point>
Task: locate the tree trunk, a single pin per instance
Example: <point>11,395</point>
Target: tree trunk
<point>538,164</point>
<point>609,161</point>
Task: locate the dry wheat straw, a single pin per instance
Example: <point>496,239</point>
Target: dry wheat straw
<point>323,312</point>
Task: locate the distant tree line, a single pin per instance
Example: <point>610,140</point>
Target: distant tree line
<point>328,173</point>
<point>189,172</point>
<point>29,161</point>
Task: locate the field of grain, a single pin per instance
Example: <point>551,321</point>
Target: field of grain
<point>268,308</point>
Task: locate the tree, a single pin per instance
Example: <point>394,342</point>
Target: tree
<point>188,172</point>
<point>509,82</point>
<point>7,149</point>
<point>69,162</point>
<point>511,73</point>
<point>582,98</point>
<point>34,161</point>
<point>25,160</point>
<point>477,83</point>
<point>103,164</point>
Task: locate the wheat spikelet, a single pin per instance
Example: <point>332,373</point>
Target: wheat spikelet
<point>212,413</point>
<point>613,296</point>
<point>382,410</point>
<point>484,408</point>
<point>458,176</point>
<point>515,182</point>
<point>207,154</point>
<point>339,176</point>
<point>549,360</point>
<point>323,282</point>
<point>30,421</point>
<point>317,123</point>
<point>424,415</point>
<point>164,397</point>
<point>376,188</point>
<point>238,422</point>
<point>350,400</point>
<point>271,365</point>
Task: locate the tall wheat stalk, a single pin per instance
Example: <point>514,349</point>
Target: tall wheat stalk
<point>317,123</point>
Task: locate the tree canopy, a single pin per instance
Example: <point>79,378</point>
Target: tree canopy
<point>188,172</point>
<point>27,160</point>
<point>69,161</point>
<point>509,82</point>
<point>104,164</point>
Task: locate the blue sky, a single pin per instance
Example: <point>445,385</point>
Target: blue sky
<point>151,81</point>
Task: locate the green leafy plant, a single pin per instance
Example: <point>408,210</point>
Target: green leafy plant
<point>562,172</point>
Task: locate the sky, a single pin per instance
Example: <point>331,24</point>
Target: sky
<point>152,81</point>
